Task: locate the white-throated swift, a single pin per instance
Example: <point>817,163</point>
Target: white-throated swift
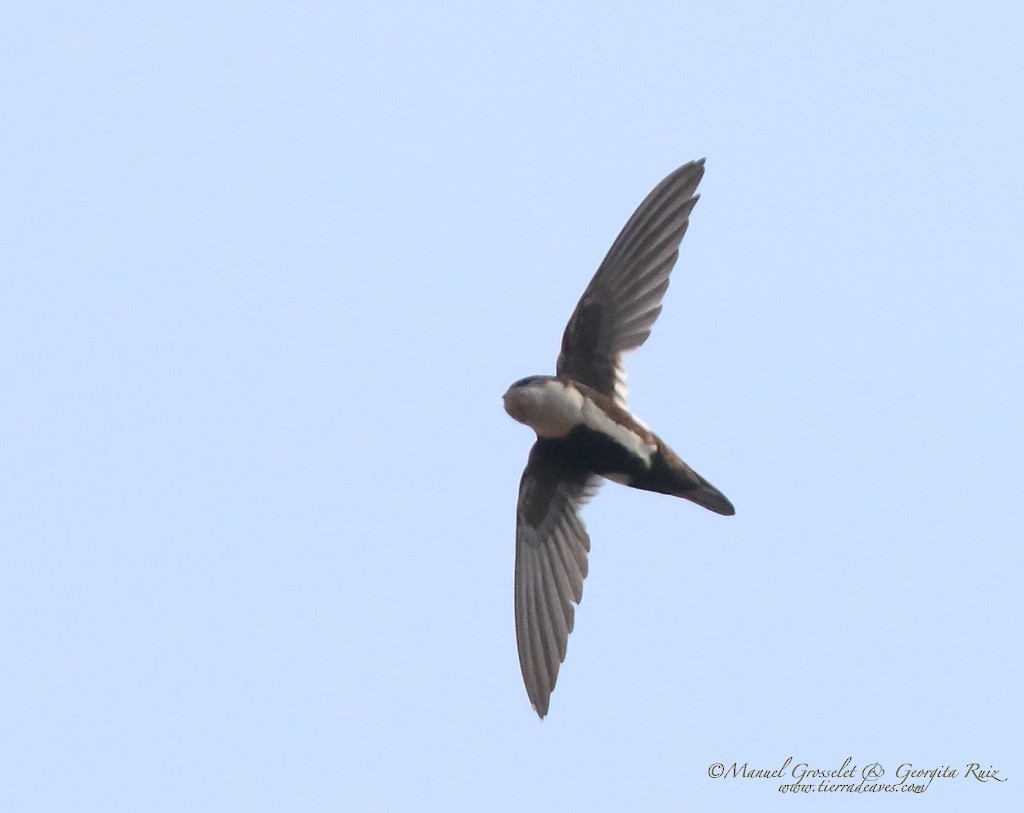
<point>585,431</point>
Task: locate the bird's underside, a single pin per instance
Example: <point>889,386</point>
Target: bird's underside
<point>586,433</point>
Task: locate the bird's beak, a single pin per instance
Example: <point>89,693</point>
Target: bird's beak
<point>509,403</point>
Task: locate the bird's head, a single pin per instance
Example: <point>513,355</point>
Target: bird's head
<point>524,397</point>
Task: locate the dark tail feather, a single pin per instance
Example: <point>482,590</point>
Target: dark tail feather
<point>680,480</point>
<point>707,496</point>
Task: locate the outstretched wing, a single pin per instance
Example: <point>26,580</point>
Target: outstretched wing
<point>618,309</point>
<point>551,563</point>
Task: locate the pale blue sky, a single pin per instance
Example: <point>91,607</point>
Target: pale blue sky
<point>266,272</point>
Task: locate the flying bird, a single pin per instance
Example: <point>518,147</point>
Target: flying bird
<point>586,433</point>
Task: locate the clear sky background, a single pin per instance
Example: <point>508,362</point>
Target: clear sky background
<point>267,270</point>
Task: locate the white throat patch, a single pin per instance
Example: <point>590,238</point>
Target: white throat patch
<point>553,409</point>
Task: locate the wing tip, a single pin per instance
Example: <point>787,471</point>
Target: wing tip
<point>542,710</point>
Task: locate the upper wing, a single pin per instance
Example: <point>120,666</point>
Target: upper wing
<point>616,312</point>
<point>551,563</point>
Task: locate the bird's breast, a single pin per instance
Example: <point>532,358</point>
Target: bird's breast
<point>551,408</point>
<point>556,408</point>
